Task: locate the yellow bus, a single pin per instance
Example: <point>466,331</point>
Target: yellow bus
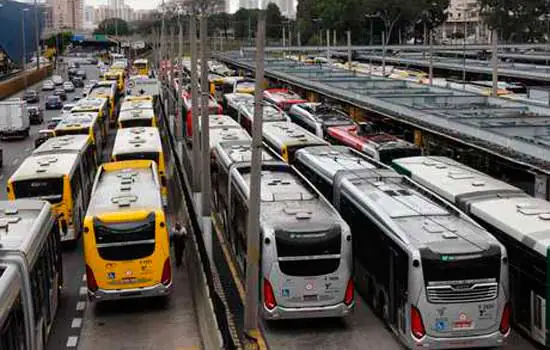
<point>137,117</point>
<point>106,89</point>
<point>59,179</point>
<point>83,123</point>
<point>117,76</point>
<point>142,143</point>
<point>140,67</point>
<point>99,105</point>
<point>126,242</point>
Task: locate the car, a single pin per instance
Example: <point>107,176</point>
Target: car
<point>77,98</point>
<point>57,80</point>
<point>77,82</point>
<point>48,85</point>
<point>61,93</point>
<point>68,86</point>
<point>81,74</point>
<point>36,115</point>
<point>74,64</point>
<point>54,102</point>
<point>31,96</point>
<point>42,136</point>
<point>67,107</point>
<point>71,72</point>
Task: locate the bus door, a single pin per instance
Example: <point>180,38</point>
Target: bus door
<point>398,289</point>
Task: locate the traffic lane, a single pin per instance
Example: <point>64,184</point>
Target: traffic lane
<point>359,330</point>
<point>15,151</point>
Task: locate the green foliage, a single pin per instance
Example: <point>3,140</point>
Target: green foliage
<point>113,26</point>
<point>516,21</point>
<point>59,41</point>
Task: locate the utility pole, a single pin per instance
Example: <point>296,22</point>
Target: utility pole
<point>162,38</point>
<point>299,39</point>
<point>383,53</point>
<point>431,71</point>
<point>253,227</point>
<point>205,135</point>
<point>179,100</point>
<point>334,37</point>
<point>196,185</point>
<point>494,63</point>
<point>24,45</point>
<point>37,34</point>
<point>464,51</point>
<point>348,33</point>
<point>328,44</point>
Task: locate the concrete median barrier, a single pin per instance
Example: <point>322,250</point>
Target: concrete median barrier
<point>17,83</point>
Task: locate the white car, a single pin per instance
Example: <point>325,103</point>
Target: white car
<point>67,108</point>
<point>48,85</point>
<point>57,80</point>
<point>68,86</point>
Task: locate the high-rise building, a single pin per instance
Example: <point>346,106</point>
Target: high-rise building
<point>464,20</point>
<point>67,14</point>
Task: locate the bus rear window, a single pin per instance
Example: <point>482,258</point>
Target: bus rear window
<point>315,267</point>
<point>293,244</point>
<point>78,131</point>
<point>154,156</point>
<point>125,240</point>
<point>136,123</point>
<point>46,189</point>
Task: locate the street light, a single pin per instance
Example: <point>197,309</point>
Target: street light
<point>23,44</point>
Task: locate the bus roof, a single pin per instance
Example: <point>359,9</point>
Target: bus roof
<point>280,134</point>
<point>139,104</point>
<point>64,144</point>
<point>77,120</point>
<point>89,104</point>
<point>270,113</point>
<point>25,224</point>
<point>415,216</point>
<point>133,114</point>
<point>44,166</point>
<point>526,219</point>
<point>10,287</point>
<point>130,185</point>
<point>137,140</point>
<point>227,134</point>
<point>451,179</point>
<point>141,60</point>
<point>221,121</point>
<point>235,152</point>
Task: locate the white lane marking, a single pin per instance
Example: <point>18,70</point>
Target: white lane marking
<point>72,341</point>
<point>81,305</point>
<point>84,278</point>
<point>15,161</point>
<point>77,322</point>
<point>83,291</point>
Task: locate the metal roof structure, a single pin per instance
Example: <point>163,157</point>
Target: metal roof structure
<point>516,131</point>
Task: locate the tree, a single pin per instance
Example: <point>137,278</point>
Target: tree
<point>518,21</point>
<point>113,26</point>
<point>273,21</point>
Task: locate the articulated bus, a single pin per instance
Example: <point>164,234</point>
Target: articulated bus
<point>106,89</point>
<point>270,114</point>
<point>283,98</point>
<point>116,76</point>
<point>142,143</point>
<point>516,219</point>
<point>99,105</point>
<point>141,67</point>
<point>126,244</point>
<point>285,138</point>
<point>306,256</point>
<point>224,128</point>
<point>232,102</point>
<point>83,124</point>
<point>213,108</point>
<point>436,278</point>
<point>131,118</point>
<point>31,274</point>
<point>60,179</point>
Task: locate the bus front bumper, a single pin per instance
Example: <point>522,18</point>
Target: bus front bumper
<point>279,312</point>
<point>489,340</point>
<point>117,294</point>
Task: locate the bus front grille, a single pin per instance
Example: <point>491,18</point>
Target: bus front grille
<point>462,293</point>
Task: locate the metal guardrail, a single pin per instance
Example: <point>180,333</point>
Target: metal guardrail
<point>205,291</point>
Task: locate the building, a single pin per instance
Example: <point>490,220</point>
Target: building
<point>89,21</point>
<point>287,7</point>
<point>67,14</point>
<point>12,19</point>
<point>463,19</point>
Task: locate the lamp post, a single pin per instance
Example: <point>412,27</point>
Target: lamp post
<point>23,43</point>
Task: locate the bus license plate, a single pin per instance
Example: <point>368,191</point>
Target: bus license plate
<point>310,297</point>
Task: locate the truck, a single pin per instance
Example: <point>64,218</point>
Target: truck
<point>14,119</point>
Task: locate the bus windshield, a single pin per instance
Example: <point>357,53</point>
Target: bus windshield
<point>118,241</point>
<point>154,156</point>
<point>47,189</point>
<point>136,123</point>
<point>77,131</point>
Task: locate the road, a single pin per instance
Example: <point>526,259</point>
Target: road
<point>150,324</point>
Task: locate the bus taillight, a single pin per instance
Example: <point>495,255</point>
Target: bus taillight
<point>348,296</point>
<point>417,326</point>
<point>90,279</point>
<point>505,321</point>
<point>269,296</point>
<point>166,273</point>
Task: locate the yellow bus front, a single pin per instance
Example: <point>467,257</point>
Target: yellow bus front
<point>58,192</point>
<point>127,254</point>
<point>111,107</point>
